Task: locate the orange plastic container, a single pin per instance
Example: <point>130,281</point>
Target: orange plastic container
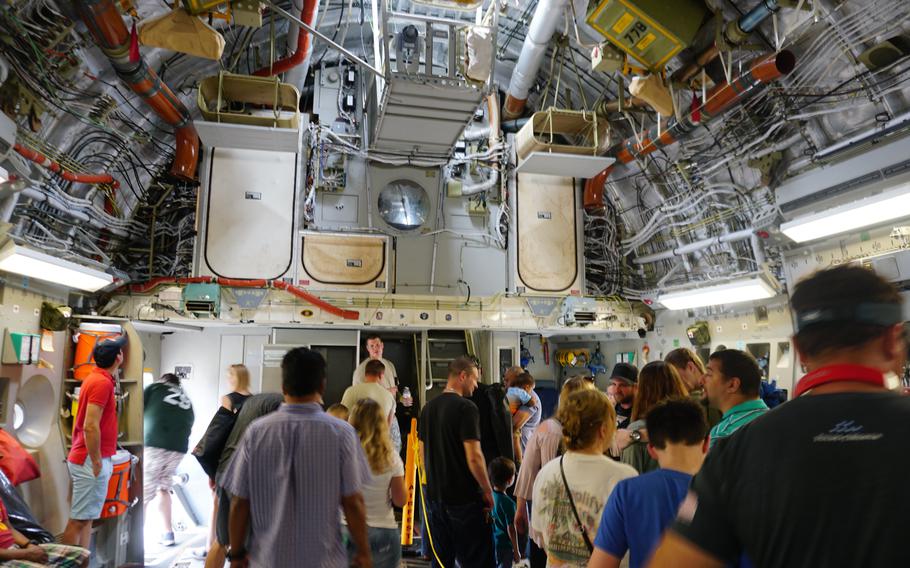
<point>89,335</point>
<point>118,488</point>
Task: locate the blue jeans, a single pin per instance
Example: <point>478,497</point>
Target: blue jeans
<point>385,547</point>
<point>462,533</point>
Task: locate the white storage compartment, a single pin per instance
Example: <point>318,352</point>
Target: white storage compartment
<point>547,258</point>
<point>249,213</point>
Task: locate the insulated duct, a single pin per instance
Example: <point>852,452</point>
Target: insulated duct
<point>735,33</point>
<point>540,31</point>
<point>760,71</point>
<point>301,54</point>
<point>110,33</point>
<point>297,75</point>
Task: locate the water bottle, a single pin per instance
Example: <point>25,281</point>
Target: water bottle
<point>406,399</point>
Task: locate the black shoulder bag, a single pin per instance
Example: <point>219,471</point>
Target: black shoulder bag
<point>581,526</point>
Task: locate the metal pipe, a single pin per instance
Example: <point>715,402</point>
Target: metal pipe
<point>513,126</point>
<point>695,246</point>
<point>735,33</point>
<point>758,73</point>
<point>870,136</point>
<point>307,14</point>
<point>547,17</point>
<point>301,24</point>
<point>106,25</point>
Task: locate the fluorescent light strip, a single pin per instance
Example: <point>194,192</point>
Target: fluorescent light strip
<point>881,208</point>
<point>34,264</point>
<point>731,292</point>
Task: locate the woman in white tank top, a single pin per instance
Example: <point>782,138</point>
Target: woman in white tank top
<point>386,486</point>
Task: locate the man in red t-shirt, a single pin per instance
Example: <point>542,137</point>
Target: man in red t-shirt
<point>94,442</point>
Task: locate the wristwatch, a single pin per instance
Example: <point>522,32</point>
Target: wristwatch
<point>236,554</point>
<point>635,436</point>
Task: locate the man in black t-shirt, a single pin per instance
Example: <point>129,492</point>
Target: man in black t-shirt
<point>821,480</point>
<point>459,494</point>
<point>624,384</point>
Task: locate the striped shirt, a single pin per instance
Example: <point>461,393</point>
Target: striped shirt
<point>736,418</point>
<point>294,466</point>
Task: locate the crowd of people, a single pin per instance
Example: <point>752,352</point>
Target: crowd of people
<point>678,464</point>
<point>683,464</point>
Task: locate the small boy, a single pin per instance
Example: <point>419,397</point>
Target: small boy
<point>339,411</point>
<point>505,536</point>
<point>519,392</point>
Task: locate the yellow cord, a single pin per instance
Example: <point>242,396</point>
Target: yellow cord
<point>423,505</point>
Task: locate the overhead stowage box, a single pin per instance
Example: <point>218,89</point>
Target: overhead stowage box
<point>253,101</point>
<point>651,31</point>
<point>345,262</point>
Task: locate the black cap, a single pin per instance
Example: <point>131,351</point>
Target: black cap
<point>106,351</point>
<point>625,372</point>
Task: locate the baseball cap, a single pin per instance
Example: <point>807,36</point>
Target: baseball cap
<point>625,372</point>
<point>106,350</point>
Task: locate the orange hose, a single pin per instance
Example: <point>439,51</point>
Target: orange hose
<point>106,26</point>
<point>55,167</point>
<point>303,45</point>
<point>146,287</point>
<point>318,302</point>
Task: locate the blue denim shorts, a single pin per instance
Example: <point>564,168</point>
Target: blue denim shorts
<point>89,492</point>
<point>385,546</point>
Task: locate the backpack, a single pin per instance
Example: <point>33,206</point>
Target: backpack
<point>495,421</point>
<point>211,445</point>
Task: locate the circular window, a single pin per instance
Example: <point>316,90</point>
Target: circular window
<point>404,205</point>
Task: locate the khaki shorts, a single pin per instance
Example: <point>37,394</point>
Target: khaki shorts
<point>158,471</point>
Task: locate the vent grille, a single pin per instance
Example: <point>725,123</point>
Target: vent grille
<point>199,306</point>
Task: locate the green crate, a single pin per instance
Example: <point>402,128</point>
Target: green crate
<point>651,31</point>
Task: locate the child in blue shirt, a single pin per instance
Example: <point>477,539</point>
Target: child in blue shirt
<point>505,536</point>
<point>640,508</point>
<point>518,397</point>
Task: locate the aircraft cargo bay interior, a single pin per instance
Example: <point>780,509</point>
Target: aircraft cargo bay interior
<point>454,283</point>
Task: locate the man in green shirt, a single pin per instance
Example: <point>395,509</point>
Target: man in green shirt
<point>733,384</point>
<point>168,420</point>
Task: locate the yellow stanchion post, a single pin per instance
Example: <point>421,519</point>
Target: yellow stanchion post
<point>410,481</point>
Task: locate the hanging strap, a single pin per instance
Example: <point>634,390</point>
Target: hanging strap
<point>581,526</point>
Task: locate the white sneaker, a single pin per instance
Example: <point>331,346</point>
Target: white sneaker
<point>167,539</point>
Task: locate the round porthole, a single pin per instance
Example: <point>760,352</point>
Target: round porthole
<point>404,205</point>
